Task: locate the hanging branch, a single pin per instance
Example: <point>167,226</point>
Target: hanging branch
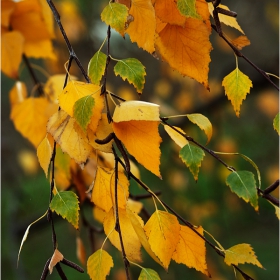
<point>218,28</point>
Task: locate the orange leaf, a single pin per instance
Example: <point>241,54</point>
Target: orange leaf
<point>130,239</point>
<point>142,29</point>
<point>7,7</point>
<point>56,258</point>
<point>162,230</point>
<point>191,250</point>
<point>11,53</point>
<point>142,140</point>
<point>103,193</point>
<point>69,136</point>
<point>166,11</point>
<point>187,49</point>
<point>241,42</point>
<point>30,118</point>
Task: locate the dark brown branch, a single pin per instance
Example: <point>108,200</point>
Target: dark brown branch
<point>72,265</point>
<point>60,272</point>
<point>45,270</point>
<point>272,187</point>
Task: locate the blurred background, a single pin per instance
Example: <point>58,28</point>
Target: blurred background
<point>208,202</point>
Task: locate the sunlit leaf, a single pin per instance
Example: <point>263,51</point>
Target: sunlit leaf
<point>203,123</point>
<point>240,254</point>
<point>166,11</point>
<point>99,265</point>
<point>82,111</point>
<point>276,123</point>
<point>96,67</point>
<point>30,118</point>
<point>142,29</point>
<point>179,139</point>
<point>11,53</point>
<point>103,193</point>
<point>244,185</point>
<point>237,85</point>
<point>131,69</point>
<point>138,226</point>
<point>69,136</point>
<point>74,91</point>
<point>192,156</point>
<point>148,274</point>
<point>56,258</point>
<point>44,154</point>
<point>115,15</point>
<point>130,239</point>
<point>187,8</point>
<point>163,232</point>
<point>191,250</point>
<point>230,21</point>
<point>66,204</point>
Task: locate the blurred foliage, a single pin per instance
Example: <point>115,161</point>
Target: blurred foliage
<point>209,202</point>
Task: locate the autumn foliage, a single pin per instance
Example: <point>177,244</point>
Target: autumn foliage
<point>81,144</point>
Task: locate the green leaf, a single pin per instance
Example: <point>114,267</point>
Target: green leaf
<point>192,156</point>
<point>132,70</point>
<point>203,124</point>
<point>187,8</point>
<point>96,67</point>
<point>83,111</point>
<point>66,204</point>
<point>237,85</point>
<point>276,123</point>
<point>244,185</point>
<point>148,274</point>
<point>99,265</point>
<point>115,15</point>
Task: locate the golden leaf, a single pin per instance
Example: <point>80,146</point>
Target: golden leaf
<point>103,193</point>
<point>69,136</point>
<point>241,253</point>
<point>11,53</point>
<point>163,232</point>
<point>180,140</point>
<point>241,42</point>
<point>7,7</point>
<point>130,239</point>
<point>30,118</point>
<point>191,250</point>
<point>142,11</point>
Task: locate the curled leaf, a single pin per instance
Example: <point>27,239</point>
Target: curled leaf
<point>56,258</point>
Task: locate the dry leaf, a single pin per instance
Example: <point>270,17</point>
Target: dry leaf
<point>56,258</point>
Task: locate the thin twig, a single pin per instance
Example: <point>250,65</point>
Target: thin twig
<point>45,270</point>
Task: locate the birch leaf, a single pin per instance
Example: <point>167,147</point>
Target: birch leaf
<point>237,85</point>
<point>66,204</point>
<point>191,250</point>
<point>96,67</point>
<point>148,274</point>
<point>163,233</point>
<point>244,185</point>
<point>56,258</point>
<point>44,154</point>
<point>99,265</point>
<point>180,140</point>
<point>133,70</point>
<point>240,254</point>
<point>192,156</point>
<point>187,8</point>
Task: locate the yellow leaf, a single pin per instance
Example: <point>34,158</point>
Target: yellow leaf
<point>166,11</point>
<point>11,53</point>
<point>44,154</point>
<point>135,206</point>
<point>163,232</point>
<point>136,111</point>
<point>99,214</point>
<point>142,11</point>
<point>191,250</point>
<point>137,224</point>
<point>99,265</point>
<point>130,239</point>
<point>180,140</point>
<point>241,42</point>
<point>69,136</point>
<point>103,130</point>
<point>7,7</point>
<point>103,193</point>
<point>56,258</point>
<point>187,49</point>
<point>237,85</point>
<point>142,140</point>
<point>40,49</point>
<point>30,118</point>
<point>18,93</point>
<point>241,253</point>
<point>74,91</point>
<point>230,21</point>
